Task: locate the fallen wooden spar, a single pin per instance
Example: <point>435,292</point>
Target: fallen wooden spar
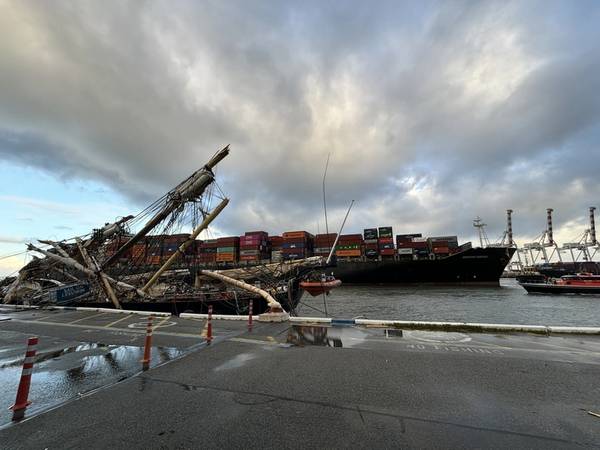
<point>180,251</point>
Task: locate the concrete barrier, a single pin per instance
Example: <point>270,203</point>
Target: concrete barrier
<point>3,305</point>
<point>325,320</point>
<point>471,327</point>
<point>478,327</point>
<point>214,316</point>
<point>574,330</point>
<point>85,308</point>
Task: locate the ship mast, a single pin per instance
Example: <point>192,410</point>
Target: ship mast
<point>478,223</point>
<point>188,190</point>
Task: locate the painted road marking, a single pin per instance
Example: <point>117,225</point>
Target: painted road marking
<point>456,348</point>
<point>103,328</point>
<point>117,321</point>
<point>87,317</point>
<point>255,341</point>
<point>46,316</point>
<point>160,324</point>
<point>144,325</point>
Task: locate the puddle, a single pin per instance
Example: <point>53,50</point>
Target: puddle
<point>301,335</point>
<point>66,373</point>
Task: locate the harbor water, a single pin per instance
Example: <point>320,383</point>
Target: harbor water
<point>509,303</point>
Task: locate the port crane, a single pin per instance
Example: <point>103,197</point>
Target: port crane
<point>585,243</point>
<point>507,241</point>
<point>542,242</point>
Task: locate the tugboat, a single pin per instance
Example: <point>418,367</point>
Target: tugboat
<point>581,283</point>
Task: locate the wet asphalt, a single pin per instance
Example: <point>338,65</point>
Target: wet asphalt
<point>311,387</point>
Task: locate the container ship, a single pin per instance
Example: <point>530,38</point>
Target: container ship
<point>373,257</point>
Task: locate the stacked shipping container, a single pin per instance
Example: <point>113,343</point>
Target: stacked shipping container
<point>297,245</point>
<point>349,246</point>
<point>206,251</point>
<point>409,245</point>
<point>254,246</point>
<point>153,250</point>
<point>228,249</point>
<point>323,244</point>
<point>171,243</point>
<point>116,243</point>
<point>386,242</point>
<point>257,246</point>
<point>443,245</point>
<point>371,245</point>
<point>275,243</point>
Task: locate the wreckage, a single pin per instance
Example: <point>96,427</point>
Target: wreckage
<point>91,270</point>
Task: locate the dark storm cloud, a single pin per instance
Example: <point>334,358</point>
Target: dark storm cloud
<point>432,112</point>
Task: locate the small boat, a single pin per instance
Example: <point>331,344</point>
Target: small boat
<point>318,287</point>
<point>581,283</point>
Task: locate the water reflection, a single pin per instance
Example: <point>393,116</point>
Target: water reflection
<point>307,335</point>
<point>66,373</point>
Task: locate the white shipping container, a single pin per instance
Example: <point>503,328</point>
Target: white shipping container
<point>405,251</point>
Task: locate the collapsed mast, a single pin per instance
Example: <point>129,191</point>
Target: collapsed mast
<point>188,190</point>
<point>83,260</point>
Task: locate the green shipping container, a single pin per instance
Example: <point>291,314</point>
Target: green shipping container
<point>227,249</point>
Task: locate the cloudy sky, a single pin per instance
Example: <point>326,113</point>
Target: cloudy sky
<point>433,113</point>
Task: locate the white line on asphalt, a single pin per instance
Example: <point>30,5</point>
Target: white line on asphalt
<point>87,317</point>
<point>103,328</point>
<point>117,321</point>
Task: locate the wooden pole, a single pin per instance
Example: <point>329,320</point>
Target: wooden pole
<point>104,284</point>
<point>180,251</point>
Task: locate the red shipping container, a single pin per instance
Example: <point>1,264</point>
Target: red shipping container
<point>352,237</point>
<point>263,234</point>
<point>228,240</point>
<point>326,236</point>
<point>249,258</point>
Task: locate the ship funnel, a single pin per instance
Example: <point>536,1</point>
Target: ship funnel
<point>509,230</point>
<point>549,226</point>
<point>592,226</point>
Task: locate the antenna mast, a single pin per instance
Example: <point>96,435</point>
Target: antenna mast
<point>324,202</point>
<point>478,223</point>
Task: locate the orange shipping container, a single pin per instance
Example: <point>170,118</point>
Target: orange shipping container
<point>348,253</point>
<point>296,234</point>
<point>225,257</point>
<point>153,260</point>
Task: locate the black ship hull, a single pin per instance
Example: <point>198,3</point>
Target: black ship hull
<point>227,303</point>
<point>545,288</point>
<point>559,269</point>
<point>481,266</point>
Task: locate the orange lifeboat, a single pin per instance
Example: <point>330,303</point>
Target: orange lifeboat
<point>318,287</point>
